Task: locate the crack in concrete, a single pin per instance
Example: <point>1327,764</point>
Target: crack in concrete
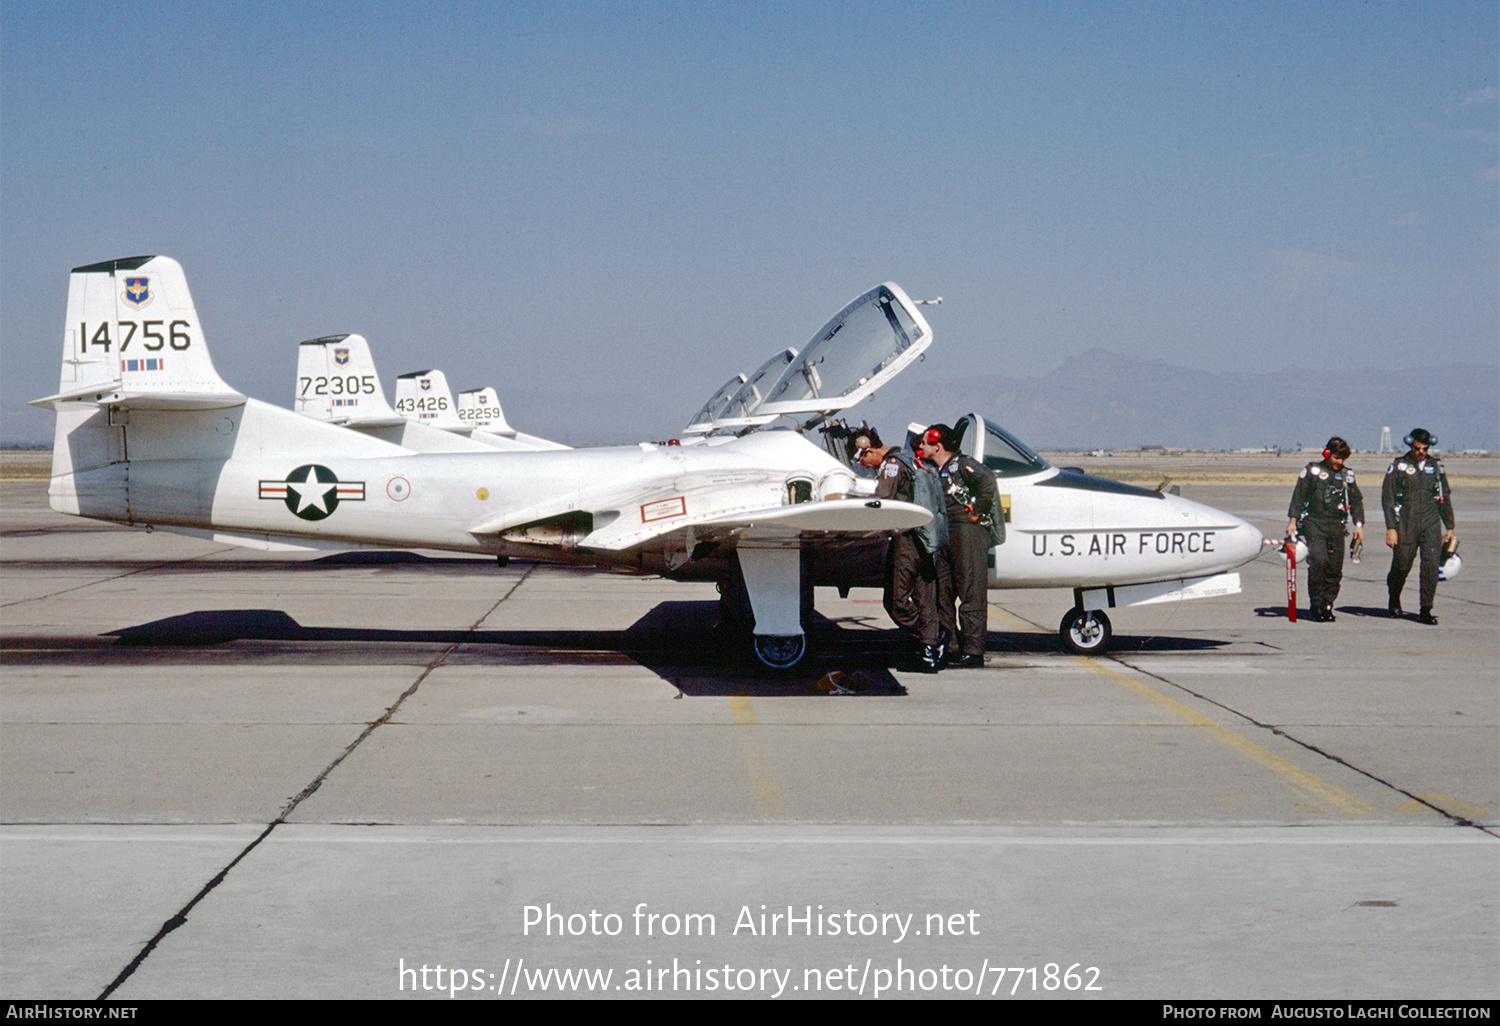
<point>181,916</point>
<point>1454,818</point>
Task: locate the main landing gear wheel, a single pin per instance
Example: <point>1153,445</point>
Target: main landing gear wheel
<point>780,652</point>
<point>1085,632</point>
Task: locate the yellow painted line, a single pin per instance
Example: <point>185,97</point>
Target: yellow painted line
<point>1297,779</point>
<point>1443,802</point>
<point>762,773</point>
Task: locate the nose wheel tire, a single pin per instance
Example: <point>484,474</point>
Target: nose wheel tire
<point>780,652</point>
<point>1085,632</point>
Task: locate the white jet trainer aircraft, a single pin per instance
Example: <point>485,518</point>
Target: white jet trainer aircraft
<point>149,435</point>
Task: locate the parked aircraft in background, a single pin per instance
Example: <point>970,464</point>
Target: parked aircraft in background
<point>148,434</point>
<point>738,414</point>
<point>424,396</point>
<point>480,407</point>
<point>337,383</point>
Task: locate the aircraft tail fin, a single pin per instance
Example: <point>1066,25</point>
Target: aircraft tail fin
<point>337,382</point>
<point>424,396</point>
<point>138,390</point>
<point>132,340</point>
<point>480,407</point>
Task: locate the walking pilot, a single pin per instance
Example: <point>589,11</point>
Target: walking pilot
<point>1418,508</point>
<point>1324,503</point>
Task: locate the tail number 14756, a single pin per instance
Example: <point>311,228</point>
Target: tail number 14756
<point>177,335</point>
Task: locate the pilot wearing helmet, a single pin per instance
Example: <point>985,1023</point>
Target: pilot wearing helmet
<point>1325,503</point>
<point>911,574</point>
<point>1418,507</point>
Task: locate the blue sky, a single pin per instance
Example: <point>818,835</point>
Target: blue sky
<point>608,208</point>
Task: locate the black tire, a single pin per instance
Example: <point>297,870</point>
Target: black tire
<point>780,652</point>
<point>1085,632</point>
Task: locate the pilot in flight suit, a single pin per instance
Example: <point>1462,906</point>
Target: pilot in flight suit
<point>975,523</point>
<point>1325,500</point>
<point>1417,506</point>
<point>911,574</point>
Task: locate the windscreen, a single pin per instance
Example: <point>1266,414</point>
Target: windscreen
<point>1005,454</point>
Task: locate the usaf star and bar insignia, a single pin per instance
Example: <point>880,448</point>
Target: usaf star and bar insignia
<point>312,491</point>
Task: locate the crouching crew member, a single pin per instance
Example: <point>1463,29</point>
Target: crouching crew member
<point>911,573</point>
<point>975,523</point>
<point>1324,503</point>
<point>1418,507</point>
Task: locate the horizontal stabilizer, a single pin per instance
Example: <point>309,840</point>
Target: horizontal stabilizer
<point>142,400</point>
<point>480,408</point>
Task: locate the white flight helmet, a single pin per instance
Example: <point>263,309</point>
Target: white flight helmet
<point>1301,550</point>
<point>1449,568</point>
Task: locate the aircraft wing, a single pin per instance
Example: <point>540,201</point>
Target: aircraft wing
<point>837,519</point>
<point>794,526</point>
<point>833,516</point>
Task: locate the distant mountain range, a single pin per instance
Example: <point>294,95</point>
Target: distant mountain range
<point>1104,400</point>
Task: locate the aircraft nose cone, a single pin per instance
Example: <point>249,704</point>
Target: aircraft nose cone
<point>1236,541</point>
<point>1245,542</point>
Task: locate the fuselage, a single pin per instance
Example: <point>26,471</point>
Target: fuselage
<point>631,507</point>
<point>1074,530</point>
<point>609,505</point>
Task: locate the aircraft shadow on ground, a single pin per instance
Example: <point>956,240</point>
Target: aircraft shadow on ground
<point>678,641</point>
<point>1279,612</point>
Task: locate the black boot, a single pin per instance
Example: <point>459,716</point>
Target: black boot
<point>1426,616</point>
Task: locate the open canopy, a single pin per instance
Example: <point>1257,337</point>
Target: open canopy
<point>866,344</point>
<point>710,411</point>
